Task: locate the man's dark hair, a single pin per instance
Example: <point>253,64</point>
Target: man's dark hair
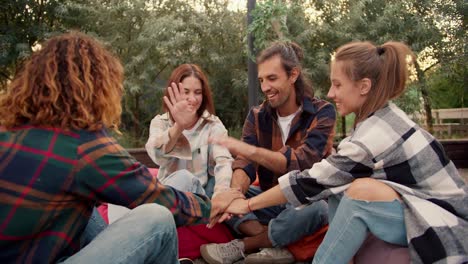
<point>291,55</point>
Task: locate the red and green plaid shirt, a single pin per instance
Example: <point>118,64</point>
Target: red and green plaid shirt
<point>50,180</point>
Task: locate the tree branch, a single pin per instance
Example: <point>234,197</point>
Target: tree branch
<point>162,69</point>
<point>5,76</point>
<point>430,67</point>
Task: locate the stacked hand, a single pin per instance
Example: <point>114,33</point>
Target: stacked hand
<point>181,111</point>
<point>224,204</point>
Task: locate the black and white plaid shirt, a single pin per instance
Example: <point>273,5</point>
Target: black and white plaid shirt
<point>390,147</point>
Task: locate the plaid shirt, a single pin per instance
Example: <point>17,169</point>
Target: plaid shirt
<point>194,153</point>
<point>50,180</point>
<point>310,138</point>
<point>390,147</point>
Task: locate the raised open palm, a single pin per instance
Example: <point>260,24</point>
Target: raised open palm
<point>181,111</point>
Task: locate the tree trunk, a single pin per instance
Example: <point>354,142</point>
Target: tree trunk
<point>425,95</point>
<point>136,116</point>
<point>252,74</point>
<point>343,127</point>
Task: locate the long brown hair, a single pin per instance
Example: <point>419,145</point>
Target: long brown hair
<point>291,55</point>
<point>386,66</point>
<point>187,70</point>
<point>72,82</point>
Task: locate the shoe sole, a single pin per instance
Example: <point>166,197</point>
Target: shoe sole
<point>185,261</point>
<point>207,257</point>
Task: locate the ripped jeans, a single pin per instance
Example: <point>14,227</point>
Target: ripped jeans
<point>350,222</point>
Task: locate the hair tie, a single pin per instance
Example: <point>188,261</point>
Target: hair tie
<point>380,50</point>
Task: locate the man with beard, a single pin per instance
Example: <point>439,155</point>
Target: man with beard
<point>290,130</point>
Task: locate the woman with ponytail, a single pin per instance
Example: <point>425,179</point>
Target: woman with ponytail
<point>389,178</point>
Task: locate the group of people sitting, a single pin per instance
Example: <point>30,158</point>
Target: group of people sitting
<point>58,160</point>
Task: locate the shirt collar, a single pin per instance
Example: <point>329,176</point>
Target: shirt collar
<point>307,107</point>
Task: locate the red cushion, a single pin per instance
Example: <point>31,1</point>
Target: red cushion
<point>192,237</point>
<point>154,171</point>
<point>305,248</point>
<point>102,209</point>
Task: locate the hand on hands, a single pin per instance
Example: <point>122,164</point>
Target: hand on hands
<point>182,113</point>
<point>238,207</point>
<point>220,203</point>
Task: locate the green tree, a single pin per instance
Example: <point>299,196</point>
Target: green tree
<point>448,86</point>
<point>449,74</point>
<point>430,27</point>
<point>153,37</point>
<point>23,23</point>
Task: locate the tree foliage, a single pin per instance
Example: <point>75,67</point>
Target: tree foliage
<point>426,26</point>
<point>23,24</point>
<point>152,37</point>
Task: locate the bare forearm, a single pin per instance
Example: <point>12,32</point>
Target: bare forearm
<point>274,161</point>
<point>240,180</point>
<point>174,133</point>
<point>273,196</point>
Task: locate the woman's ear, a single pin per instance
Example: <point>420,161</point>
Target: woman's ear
<point>365,86</point>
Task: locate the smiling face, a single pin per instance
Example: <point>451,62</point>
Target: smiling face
<point>277,86</point>
<point>192,91</point>
<point>345,92</point>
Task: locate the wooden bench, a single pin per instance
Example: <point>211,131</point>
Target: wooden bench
<point>457,151</point>
<point>142,156</point>
<point>450,121</point>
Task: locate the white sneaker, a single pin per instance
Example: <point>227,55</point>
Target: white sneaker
<point>270,256</point>
<point>226,253</point>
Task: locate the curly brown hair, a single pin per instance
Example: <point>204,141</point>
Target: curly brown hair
<point>72,82</point>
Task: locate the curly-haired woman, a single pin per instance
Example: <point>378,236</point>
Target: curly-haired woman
<point>57,160</point>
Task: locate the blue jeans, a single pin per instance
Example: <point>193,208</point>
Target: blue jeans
<point>146,234</point>
<point>184,180</point>
<point>286,224</point>
<point>96,225</point>
<point>350,222</point>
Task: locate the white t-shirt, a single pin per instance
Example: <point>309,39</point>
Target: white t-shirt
<point>284,123</point>
<point>189,132</point>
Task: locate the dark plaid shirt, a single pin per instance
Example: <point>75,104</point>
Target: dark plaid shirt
<point>389,147</point>
<point>51,179</point>
<point>310,138</point>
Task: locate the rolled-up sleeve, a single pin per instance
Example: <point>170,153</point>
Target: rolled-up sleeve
<point>249,136</point>
<point>220,158</point>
